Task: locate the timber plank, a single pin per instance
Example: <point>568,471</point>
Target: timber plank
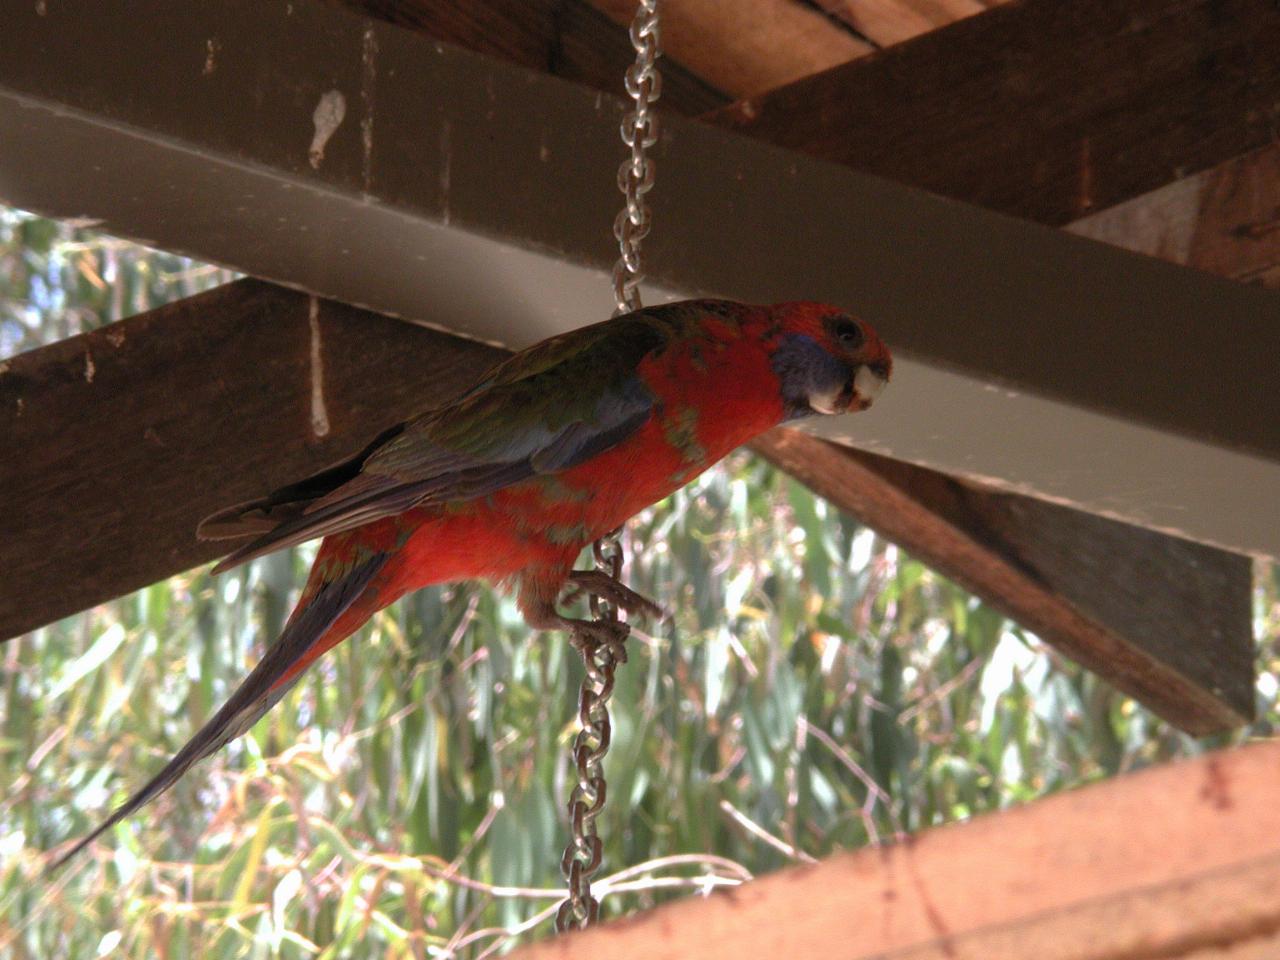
<point>1179,862</point>
<point>1042,109</point>
<point>884,22</point>
<point>747,47</point>
<point>1224,221</point>
<point>887,22</point>
<point>1166,620</point>
<point>585,42</point>
<point>566,38</point>
<point>119,441</point>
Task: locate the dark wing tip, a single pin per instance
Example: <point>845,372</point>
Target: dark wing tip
<point>240,521</point>
<point>229,562</point>
<point>266,543</point>
<point>267,515</point>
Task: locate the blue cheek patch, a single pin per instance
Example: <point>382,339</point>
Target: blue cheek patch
<point>803,368</point>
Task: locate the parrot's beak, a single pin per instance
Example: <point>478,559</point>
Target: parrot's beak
<point>828,402</point>
<point>856,393</point>
<point>867,386</point>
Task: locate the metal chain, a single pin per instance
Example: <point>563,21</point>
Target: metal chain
<point>601,653</point>
<point>603,647</point>
<point>635,176</point>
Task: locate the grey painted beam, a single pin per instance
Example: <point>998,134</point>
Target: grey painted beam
<point>301,143</point>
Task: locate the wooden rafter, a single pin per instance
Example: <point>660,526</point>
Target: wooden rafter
<point>1225,220</point>
<point>746,47</point>
<point>129,429</point>
<point>1042,109</point>
<point>1166,620</point>
<point>567,38</point>
<point>886,22</point>
<point>1218,220</point>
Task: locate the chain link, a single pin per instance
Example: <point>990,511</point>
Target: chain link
<point>602,650</point>
<point>635,176</point>
<point>602,643</point>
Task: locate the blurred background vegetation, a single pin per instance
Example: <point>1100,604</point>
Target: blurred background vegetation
<point>818,690</point>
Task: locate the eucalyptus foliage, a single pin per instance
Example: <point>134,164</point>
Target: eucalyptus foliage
<point>817,689</point>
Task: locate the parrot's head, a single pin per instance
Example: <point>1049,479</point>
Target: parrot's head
<point>826,360</point>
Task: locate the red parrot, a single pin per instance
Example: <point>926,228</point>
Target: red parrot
<point>553,448</point>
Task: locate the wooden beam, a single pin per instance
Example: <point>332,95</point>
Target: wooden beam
<point>1042,109</point>
<point>886,22</point>
<point>1168,621</point>
<point>747,47</point>
<point>1180,862</point>
<point>1221,220</point>
<point>1224,221</point>
<point>117,442</point>
<point>566,38</point>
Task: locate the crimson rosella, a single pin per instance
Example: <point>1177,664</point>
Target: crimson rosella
<point>554,447</point>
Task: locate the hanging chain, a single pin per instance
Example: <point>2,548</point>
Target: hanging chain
<point>635,176</point>
<point>603,647</point>
<point>601,654</point>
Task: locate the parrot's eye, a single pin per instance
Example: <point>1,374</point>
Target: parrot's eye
<point>847,333</point>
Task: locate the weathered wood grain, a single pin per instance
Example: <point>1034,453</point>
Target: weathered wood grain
<point>886,22</point>
<point>1179,862</point>
<point>1165,620</point>
<point>1225,220</point>
<point>117,442</point>
<point>567,38</point>
<point>746,47</point>
<point>1042,109</point>
<point>1221,219</point>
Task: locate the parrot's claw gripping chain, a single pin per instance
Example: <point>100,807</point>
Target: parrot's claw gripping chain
<point>601,634</point>
<point>616,593</point>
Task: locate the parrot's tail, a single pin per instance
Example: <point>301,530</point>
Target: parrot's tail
<point>339,597</point>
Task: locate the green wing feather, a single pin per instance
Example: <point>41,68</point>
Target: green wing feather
<point>583,376</point>
<point>541,411</point>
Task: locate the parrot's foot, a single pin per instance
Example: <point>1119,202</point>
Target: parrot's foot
<point>616,593</point>
<point>588,636</point>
